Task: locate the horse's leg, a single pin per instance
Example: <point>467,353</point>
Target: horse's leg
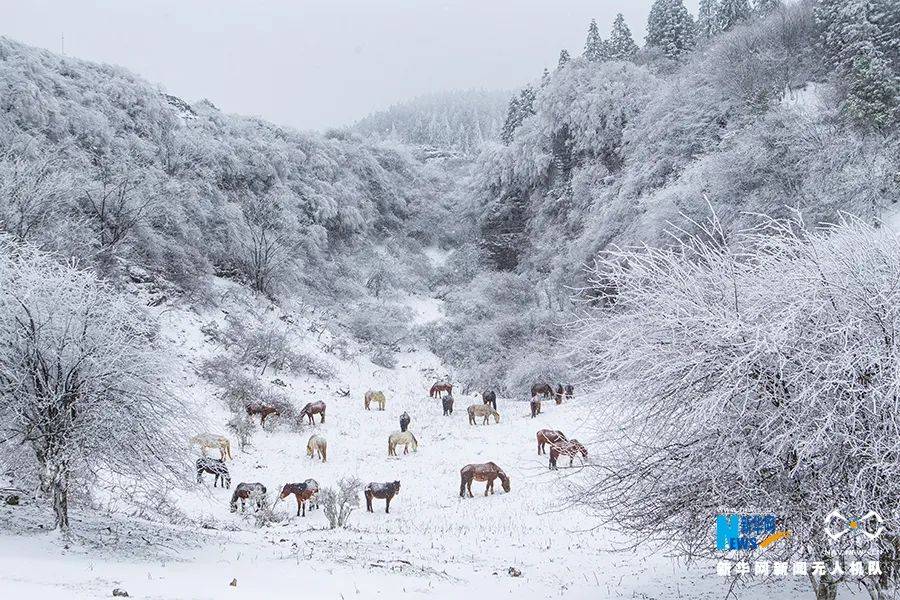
<point>323,417</point>
<point>387,505</point>
<point>462,487</point>
<point>368,501</point>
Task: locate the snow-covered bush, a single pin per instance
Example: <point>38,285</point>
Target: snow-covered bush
<point>243,426</point>
<point>380,323</point>
<point>339,502</point>
<point>757,369</point>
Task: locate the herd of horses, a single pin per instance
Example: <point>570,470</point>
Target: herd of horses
<point>306,493</point>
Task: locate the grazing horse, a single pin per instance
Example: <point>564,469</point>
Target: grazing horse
<point>535,406</point>
<point>317,444</point>
<point>570,391</point>
<point>402,438</point>
<point>482,410</point>
<point>313,408</point>
<point>382,491</point>
<point>264,410</point>
<point>404,421</point>
<point>484,472</point>
<point>254,492</point>
<point>489,397</point>
<point>216,467</point>
<point>373,396</point>
<point>211,440</point>
<point>303,492</point>
<point>549,436</point>
<point>570,448</point>
<point>541,389</point>
<point>447,402</point>
<point>558,396</point>
<point>440,386</point>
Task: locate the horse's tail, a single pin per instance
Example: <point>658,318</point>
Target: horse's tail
<point>234,499</point>
<point>415,441</point>
<point>228,449</point>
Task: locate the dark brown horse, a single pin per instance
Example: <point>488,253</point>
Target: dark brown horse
<point>447,402</point>
<point>215,467</point>
<point>313,408</point>
<point>404,421</point>
<point>541,389</point>
<point>303,492</point>
<point>570,448</point>
<point>549,436</point>
<point>481,472</point>
<point>490,397</point>
<point>570,391</point>
<point>382,491</point>
<point>558,396</point>
<point>439,387</point>
<point>264,410</point>
<point>254,492</point>
<point>535,406</point>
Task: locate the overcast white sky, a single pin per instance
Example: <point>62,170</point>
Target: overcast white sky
<point>316,63</point>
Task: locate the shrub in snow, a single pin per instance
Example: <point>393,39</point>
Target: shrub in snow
<point>243,426</point>
<point>380,323</point>
<point>758,369</point>
<point>384,357</point>
<point>339,502</point>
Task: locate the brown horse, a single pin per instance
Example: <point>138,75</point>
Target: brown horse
<point>313,408</point>
<point>447,403</point>
<point>541,389</point>
<point>535,406</point>
<point>558,396</point>
<point>489,397</point>
<point>254,492</point>
<point>439,387</point>
<point>404,421</point>
<point>570,448</point>
<point>570,391</point>
<point>481,472</point>
<point>264,410</point>
<point>382,491</point>
<point>549,436</point>
<point>303,492</point>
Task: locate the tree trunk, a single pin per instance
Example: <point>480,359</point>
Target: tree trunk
<point>60,489</point>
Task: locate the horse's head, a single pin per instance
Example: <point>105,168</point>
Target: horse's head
<point>396,487</point>
<point>504,481</point>
<point>579,448</point>
<point>285,491</point>
<point>496,416</point>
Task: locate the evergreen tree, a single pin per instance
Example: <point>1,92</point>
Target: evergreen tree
<point>545,77</point>
<point>520,108</point>
<point>857,46</point>
<point>621,45</point>
<point>594,49</point>
<point>708,19</point>
<point>764,7</point>
<point>732,12</point>
<point>563,58</point>
<point>670,28</point>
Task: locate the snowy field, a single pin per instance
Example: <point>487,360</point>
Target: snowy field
<point>433,544</point>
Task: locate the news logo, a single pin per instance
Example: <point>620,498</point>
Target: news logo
<point>747,532</point>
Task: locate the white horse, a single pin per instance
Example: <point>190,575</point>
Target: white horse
<point>373,396</point>
<point>317,444</point>
<point>404,438</point>
<point>211,440</point>
<point>482,410</point>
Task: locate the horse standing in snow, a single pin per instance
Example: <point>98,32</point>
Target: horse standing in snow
<point>558,396</point>
<point>402,438</point>
<point>263,410</point>
<point>549,436</point>
<point>404,421</point>
<point>482,410</point>
<point>447,403</point>
<point>211,440</point>
<point>215,467</point>
<point>303,492</point>
<point>317,444</point>
<point>482,472</point>
<point>535,406</point>
<point>570,391</point>
<point>489,397</point>
<point>541,389</point>
<point>373,396</point>
<point>570,448</point>
<point>254,492</point>
<point>313,408</point>
<point>439,387</point>
<point>382,491</point>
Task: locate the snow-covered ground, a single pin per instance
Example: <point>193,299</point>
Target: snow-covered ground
<point>433,544</point>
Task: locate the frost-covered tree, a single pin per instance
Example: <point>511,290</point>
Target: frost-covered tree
<point>545,77</point>
<point>81,383</point>
<point>732,12</point>
<point>708,19</point>
<point>563,58</point>
<point>670,28</point>
<point>621,45</point>
<point>521,107</point>
<point>756,369</point>
<point>594,46</point>
<point>855,37</point>
<point>764,7</point>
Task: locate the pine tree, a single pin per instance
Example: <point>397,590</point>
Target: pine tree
<point>563,58</point>
<point>764,7</point>
<point>594,49</point>
<point>855,37</point>
<point>621,45</point>
<point>707,19</point>
<point>670,28</point>
<point>545,77</point>
<point>732,12</point>
<point>520,108</point>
